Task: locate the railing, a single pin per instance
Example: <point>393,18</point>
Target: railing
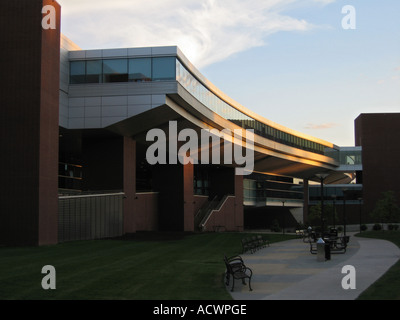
<point>88,217</point>
<point>216,206</point>
<point>209,205</point>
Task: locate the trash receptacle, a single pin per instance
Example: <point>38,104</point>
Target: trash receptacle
<point>320,250</point>
<point>327,251</point>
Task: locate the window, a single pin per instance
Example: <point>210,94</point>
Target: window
<point>164,68</point>
<point>94,70</point>
<point>140,69</point>
<point>115,70</point>
<point>77,72</point>
<point>201,180</point>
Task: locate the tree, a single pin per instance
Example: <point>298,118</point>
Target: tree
<point>314,217</point>
<point>386,209</point>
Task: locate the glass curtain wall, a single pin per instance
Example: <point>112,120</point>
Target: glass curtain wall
<point>211,101</point>
<point>170,68</point>
<point>122,70</point>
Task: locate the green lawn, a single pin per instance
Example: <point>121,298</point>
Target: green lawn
<point>142,268</point>
<point>388,286</point>
<point>146,267</point>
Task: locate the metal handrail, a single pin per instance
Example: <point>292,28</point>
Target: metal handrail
<point>212,210</point>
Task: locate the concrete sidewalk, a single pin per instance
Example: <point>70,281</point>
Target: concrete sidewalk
<point>288,271</point>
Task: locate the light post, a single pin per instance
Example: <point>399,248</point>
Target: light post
<point>360,199</point>
<point>283,217</point>
<point>322,176</point>
<point>334,210</point>
<point>344,210</point>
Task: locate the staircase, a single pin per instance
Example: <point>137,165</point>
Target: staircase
<point>206,211</point>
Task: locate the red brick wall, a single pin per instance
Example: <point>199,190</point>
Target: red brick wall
<point>30,65</point>
<point>379,136</point>
<point>146,212</point>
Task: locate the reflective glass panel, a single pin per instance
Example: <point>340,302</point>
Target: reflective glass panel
<point>115,70</point>
<point>225,110</point>
<point>164,68</point>
<point>94,70</point>
<point>140,69</point>
<point>77,72</point>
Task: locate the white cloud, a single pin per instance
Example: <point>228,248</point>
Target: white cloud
<point>206,31</point>
<point>324,1</point>
<point>322,126</point>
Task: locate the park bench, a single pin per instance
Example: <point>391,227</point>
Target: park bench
<point>262,243</point>
<point>254,243</point>
<point>236,269</point>
<point>337,244</point>
<point>309,237</point>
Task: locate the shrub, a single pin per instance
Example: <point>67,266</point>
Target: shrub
<point>386,209</point>
<point>275,226</point>
<point>377,227</point>
<point>364,227</point>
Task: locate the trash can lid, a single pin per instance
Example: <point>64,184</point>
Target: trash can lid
<point>320,240</point>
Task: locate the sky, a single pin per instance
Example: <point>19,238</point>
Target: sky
<point>294,62</point>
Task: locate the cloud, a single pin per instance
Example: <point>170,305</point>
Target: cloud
<point>323,126</point>
<point>324,1</point>
<point>206,31</point>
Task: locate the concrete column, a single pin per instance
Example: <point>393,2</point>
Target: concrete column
<point>129,184</point>
<point>188,198</point>
<point>175,201</point>
<point>305,200</point>
<point>239,211</point>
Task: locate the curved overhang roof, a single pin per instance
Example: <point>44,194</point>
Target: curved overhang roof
<point>243,109</point>
<point>269,156</point>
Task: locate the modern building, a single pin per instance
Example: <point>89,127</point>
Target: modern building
<point>378,134</point>
<point>75,140</point>
<point>111,99</point>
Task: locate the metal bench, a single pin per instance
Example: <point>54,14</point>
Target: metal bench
<point>248,245</point>
<point>262,243</point>
<point>337,245</point>
<point>254,243</point>
<point>236,269</point>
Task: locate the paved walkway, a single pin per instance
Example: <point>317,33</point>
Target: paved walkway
<point>288,271</point>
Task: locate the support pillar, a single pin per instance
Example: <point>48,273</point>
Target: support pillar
<point>174,182</point>
<point>188,198</point>
<point>305,200</point>
<point>239,211</point>
<point>29,115</point>
<point>129,184</point>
